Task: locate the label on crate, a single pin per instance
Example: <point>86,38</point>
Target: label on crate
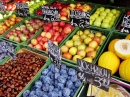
<point>125,26</point>
<point>2,7</point>
<point>22,9</point>
<point>50,13</point>
<point>54,53</point>
<point>93,74</point>
<point>79,18</point>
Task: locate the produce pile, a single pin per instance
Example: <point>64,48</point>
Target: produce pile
<point>15,74</point>
<point>65,83</point>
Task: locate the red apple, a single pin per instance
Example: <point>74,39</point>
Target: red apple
<point>44,39</point>
<point>92,54</point>
<point>38,46</point>
<point>93,44</point>
<point>63,13</point>
<point>97,39</point>
<point>55,23</point>
<point>59,38</point>
<point>67,55</point>
<point>39,38</point>
<point>67,30</point>
<point>56,28</point>
<point>30,45</point>
<point>62,24</point>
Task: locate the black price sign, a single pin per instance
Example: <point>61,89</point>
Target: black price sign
<point>93,74</point>
<point>22,9</point>
<point>2,7</point>
<point>79,18</point>
<point>54,53</point>
<point>125,26</point>
<point>50,13</point>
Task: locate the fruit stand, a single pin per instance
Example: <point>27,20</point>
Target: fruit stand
<point>26,67</point>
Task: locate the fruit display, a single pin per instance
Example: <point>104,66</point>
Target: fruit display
<point>117,58</point>
<point>114,91</point>
<point>25,31</point>
<point>119,26</point>
<point>65,85</point>
<point>83,45</point>
<point>104,17</point>
<point>6,49</point>
<point>6,24</point>
<point>34,5</point>
<point>15,74</point>
<point>54,31</point>
<point>64,9</point>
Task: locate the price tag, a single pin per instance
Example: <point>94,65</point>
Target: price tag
<point>79,18</point>
<point>50,13</point>
<point>125,26</point>
<point>22,9</point>
<point>93,74</point>
<point>2,7</point>
<point>54,53</point>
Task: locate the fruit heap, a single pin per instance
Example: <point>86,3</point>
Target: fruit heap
<point>33,5</point>
<point>117,57</point>
<point>5,15</point>
<point>54,31</point>
<point>6,49</point>
<point>83,45</point>
<point>104,17</point>
<point>119,26</point>
<point>25,31</point>
<point>16,74</point>
<point>8,23</point>
<point>10,6</point>
<point>64,9</point>
<point>66,83</point>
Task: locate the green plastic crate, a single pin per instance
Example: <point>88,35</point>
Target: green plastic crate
<point>105,32</point>
<point>21,23</point>
<point>48,62</point>
<point>7,57</point>
<point>115,35</point>
<point>110,7</point>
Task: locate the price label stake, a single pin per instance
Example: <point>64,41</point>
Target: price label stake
<point>54,54</point>
<point>50,13</point>
<point>93,74</point>
<point>125,26</point>
<point>2,7</point>
<point>22,9</point>
<point>79,18</point>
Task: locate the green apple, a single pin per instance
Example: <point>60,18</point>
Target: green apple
<point>114,11</point>
<point>73,50</point>
<point>97,12</point>
<point>69,43</point>
<point>82,47</point>
<point>105,25</point>
<point>76,37</point>
<point>1,16</point>
<point>87,40</point>
<point>91,35</point>
<point>103,13</point>
<point>91,22</point>
<point>92,17</point>
<point>102,17</point>
<point>109,18</point>
<point>102,8</point>
<point>107,10</point>
<point>97,23</point>
<point>110,14</point>
<point>118,11</point>
<point>77,43</point>
<point>95,15</point>
<point>79,32</point>
<point>83,36</point>
<point>106,20</point>
<point>99,19</point>
<point>75,57</point>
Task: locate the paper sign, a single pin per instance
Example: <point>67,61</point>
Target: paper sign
<point>125,26</point>
<point>93,74</point>
<point>2,7</point>
<point>79,18</point>
<point>54,53</point>
<point>50,13</point>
